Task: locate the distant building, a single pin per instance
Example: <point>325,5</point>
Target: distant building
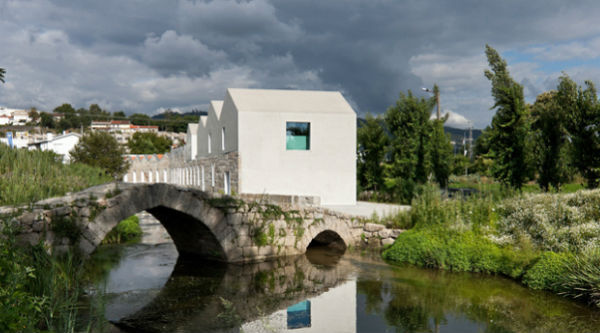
<point>61,144</point>
<point>277,142</point>
<point>122,130</point>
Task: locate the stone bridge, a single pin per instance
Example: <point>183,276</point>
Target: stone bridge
<point>221,228</point>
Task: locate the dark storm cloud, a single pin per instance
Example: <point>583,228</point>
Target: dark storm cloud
<point>145,55</point>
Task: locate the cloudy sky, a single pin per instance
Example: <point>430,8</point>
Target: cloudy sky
<point>145,55</point>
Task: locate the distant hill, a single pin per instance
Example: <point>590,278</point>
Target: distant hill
<point>172,114</point>
<point>456,134</point>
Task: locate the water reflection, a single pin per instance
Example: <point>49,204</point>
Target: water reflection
<point>205,296</point>
<point>323,292</point>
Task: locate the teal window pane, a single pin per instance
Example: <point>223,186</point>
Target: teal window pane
<point>297,136</point>
<point>298,315</point>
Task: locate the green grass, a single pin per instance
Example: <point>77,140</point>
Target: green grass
<point>29,176</point>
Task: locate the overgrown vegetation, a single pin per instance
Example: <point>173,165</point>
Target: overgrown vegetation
<point>38,292</point>
<point>29,176</point>
<point>126,231</point>
<point>546,241</point>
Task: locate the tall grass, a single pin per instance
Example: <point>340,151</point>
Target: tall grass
<point>29,176</point>
<point>38,292</point>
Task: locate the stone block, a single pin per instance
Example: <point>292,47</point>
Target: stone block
<point>266,251</point>
<point>84,212</point>
<point>387,241</point>
<point>385,233</point>
<point>250,252</point>
<point>61,211</point>
<point>396,232</point>
<point>38,226</point>
<point>372,227</point>
<point>28,218</point>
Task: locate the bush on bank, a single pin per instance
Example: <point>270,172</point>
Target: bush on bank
<point>546,241</point>
<point>126,231</point>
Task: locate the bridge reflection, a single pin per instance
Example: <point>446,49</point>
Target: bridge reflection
<point>307,293</point>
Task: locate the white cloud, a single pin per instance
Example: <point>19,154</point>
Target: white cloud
<point>577,50</point>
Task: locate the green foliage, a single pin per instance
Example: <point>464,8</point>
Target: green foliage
<point>126,231</point>
<point>456,251</point>
<point>581,112</point>
<point>551,144</point>
<point>409,126</point>
<point>38,292</point>
<point>29,176</point>
<point>148,143</point>
<point>441,153</point>
<point>582,280</point>
<point>548,271</point>
<point>372,142</point>
<point>551,222</point>
<point>509,146</point>
<point>100,149</point>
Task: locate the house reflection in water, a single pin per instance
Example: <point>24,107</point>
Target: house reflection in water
<point>332,311</point>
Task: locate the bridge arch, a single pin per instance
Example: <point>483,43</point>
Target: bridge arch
<point>197,228</point>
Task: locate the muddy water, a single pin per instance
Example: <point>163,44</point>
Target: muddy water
<point>148,289</point>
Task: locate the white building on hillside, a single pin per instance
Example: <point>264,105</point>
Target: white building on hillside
<point>277,142</point>
<point>61,144</point>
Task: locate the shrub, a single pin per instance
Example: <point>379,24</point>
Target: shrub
<point>547,272</point>
<point>582,278</point>
<point>126,231</point>
<point>552,222</point>
<point>456,251</point>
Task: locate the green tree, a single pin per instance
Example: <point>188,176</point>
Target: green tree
<point>34,114</point>
<point>550,141</point>
<point>47,120</point>
<point>409,126</point>
<point>140,119</point>
<point>2,73</point>
<point>582,118</point>
<point>148,143</point>
<point>440,152</point>
<point>510,125</point>
<point>372,142</point>
<point>102,150</point>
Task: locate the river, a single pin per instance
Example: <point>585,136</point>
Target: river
<point>147,288</point>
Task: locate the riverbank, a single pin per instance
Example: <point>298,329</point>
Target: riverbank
<point>545,241</point>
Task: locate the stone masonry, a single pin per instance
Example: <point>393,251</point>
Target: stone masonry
<point>201,224</point>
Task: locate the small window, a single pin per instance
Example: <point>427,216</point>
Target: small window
<point>297,136</point>
<point>209,142</point>
<point>223,139</point>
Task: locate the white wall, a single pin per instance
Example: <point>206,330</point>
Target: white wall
<point>63,145</point>
<point>327,170</point>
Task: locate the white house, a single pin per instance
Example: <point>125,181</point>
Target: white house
<point>277,142</point>
<point>61,144</point>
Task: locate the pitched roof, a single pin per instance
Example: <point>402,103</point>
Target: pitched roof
<point>300,101</point>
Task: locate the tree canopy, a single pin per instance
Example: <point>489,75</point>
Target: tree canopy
<point>102,150</point>
<point>510,126</point>
<point>148,143</point>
